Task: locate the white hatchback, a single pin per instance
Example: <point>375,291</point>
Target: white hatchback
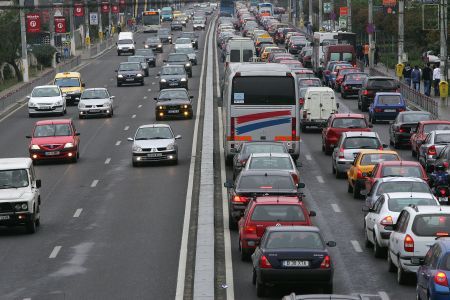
<point>46,99</point>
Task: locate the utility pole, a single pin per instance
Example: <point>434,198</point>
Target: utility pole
<point>100,23</point>
<point>310,13</point>
<point>320,14</point>
<point>23,36</point>
<point>401,30</point>
<point>349,15</point>
<point>51,25</point>
<point>72,30</point>
<point>110,19</point>
<point>300,13</point>
<point>290,11</point>
<point>87,38</point>
<point>443,28</point>
<point>371,30</point>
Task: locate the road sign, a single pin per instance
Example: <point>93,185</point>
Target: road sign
<point>115,9</point>
<point>122,2</point>
<point>327,7</point>
<point>60,25</point>
<point>105,7</point>
<point>93,18</point>
<point>78,10</point>
<point>343,11</point>
<point>343,22</point>
<point>33,23</point>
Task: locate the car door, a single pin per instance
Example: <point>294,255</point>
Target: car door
<point>372,216</point>
<point>423,148</point>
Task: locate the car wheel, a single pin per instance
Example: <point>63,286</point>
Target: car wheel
<point>378,251</point>
<point>349,188</point>
<point>401,274</point>
<point>65,110</point>
<point>31,225</point>
<point>254,277</point>
<point>367,243</point>
<point>391,266</point>
<point>260,289</point>
<point>74,159</point>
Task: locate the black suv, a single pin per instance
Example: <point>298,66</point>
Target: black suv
<point>154,43</point>
<point>180,59</point>
<point>173,77</point>
<point>373,85</point>
<point>164,35</point>
<point>130,73</point>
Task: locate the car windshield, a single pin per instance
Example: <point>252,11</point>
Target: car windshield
<point>266,183</point>
<point>185,50</point>
<point>374,158</point>
<point>129,66</point>
<point>183,41</point>
<point>45,92</point>
<point>390,99</point>
<point>430,127</point>
<point>152,40</point>
<point>415,118</point>
<point>309,82</point>
<point>13,178</point>
<point>403,186</point>
<point>273,163</point>
<point>136,59</point>
<point>401,171</point>
<point>67,82</point>
<point>190,35</point>
<point>362,142</point>
<point>177,57</point>
<point>94,94</point>
<point>294,239</point>
<point>153,133</point>
<point>349,123</point>
<point>163,31</point>
<point>356,77</point>
<point>52,130</point>
<point>172,70</point>
<point>431,225</point>
<point>278,213</point>
<point>442,138</point>
<point>382,84</point>
<point>169,95</point>
<point>397,204</point>
<point>263,148</point>
<point>145,52</point>
<point>125,41</point>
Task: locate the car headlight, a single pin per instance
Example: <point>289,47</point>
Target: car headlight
<point>183,79</point>
<point>119,76</point>
<point>81,105</point>
<point>146,46</point>
<point>159,46</point>
<point>35,147</point>
<point>21,206</point>
<point>188,65</point>
<point>31,104</point>
<point>139,75</point>
<point>68,145</point>
<point>137,149</point>
<point>170,147</point>
<point>162,80</point>
<point>185,106</point>
<point>161,107</point>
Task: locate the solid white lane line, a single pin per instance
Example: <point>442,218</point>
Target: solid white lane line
<point>94,183</point>
<point>383,295</point>
<point>133,116</point>
<point>308,157</point>
<point>55,252</point>
<point>77,213</point>
<point>107,161</point>
<point>126,128</point>
<point>118,143</point>
<point>356,246</point>
<point>26,299</point>
<point>140,105</point>
<point>320,179</point>
<point>336,208</point>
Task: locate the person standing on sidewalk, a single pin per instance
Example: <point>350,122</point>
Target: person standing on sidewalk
<point>415,77</point>
<point>436,79</point>
<point>377,55</point>
<point>407,74</point>
<point>366,54</point>
<point>427,76</point>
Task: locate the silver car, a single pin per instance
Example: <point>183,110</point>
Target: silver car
<point>46,99</point>
<point>95,102</point>
<point>154,142</point>
<point>429,150</point>
<point>348,147</point>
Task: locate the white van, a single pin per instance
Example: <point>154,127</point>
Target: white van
<point>125,43</point>
<point>320,103</point>
<point>239,50</point>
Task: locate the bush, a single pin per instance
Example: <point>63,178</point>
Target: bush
<point>7,73</point>
<point>44,54</point>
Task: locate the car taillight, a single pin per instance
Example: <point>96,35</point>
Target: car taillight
<point>295,178</point>
<point>408,243</point>
<point>387,221</point>
<point>365,92</point>
<point>346,87</point>
<point>443,192</point>
<point>294,129</point>
<point>445,164</point>
<point>378,110</point>
<point>441,278</point>
<point>301,101</point>
<point>326,263</point>
<point>239,199</point>
<point>251,229</point>
<point>401,109</point>
<point>399,129</point>
<point>431,150</point>
<point>264,263</point>
<point>305,114</point>
<point>341,153</point>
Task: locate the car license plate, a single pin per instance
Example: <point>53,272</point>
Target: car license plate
<point>130,79</point>
<point>51,153</point>
<point>173,84</point>
<point>390,110</point>
<point>174,111</point>
<point>295,263</point>
<point>44,107</point>
<point>94,110</point>
<point>4,217</point>
<point>443,199</point>
<point>154,154</point>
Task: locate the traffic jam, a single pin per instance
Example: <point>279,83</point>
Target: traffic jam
<point>282,89</point>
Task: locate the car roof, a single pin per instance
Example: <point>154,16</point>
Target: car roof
<point>15,163</point>
<point>411,112</point>
<point>67,74</point>
<point>96,89</point>
<point>277,200</point>
<point>294,228</point>
<point>377,151</point>
<point>259,172</point>
<point>270,155</point>
<point>388,94</point>
<point>261,142</point>
<point>55,121</point>
<point>46,86</point>
<point>360,133</point>
<point>426,209</point>
<point>440,131</point>
<point>396,195</point>
<point>154,125</point>
<point>261,67</point>
<point>400,179</point>
<point>174,89</point>
<point>406,163</point>
<point>349,115</point>
<point>434,122</point>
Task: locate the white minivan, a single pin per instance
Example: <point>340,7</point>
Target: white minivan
<point>125,43</point>
<point>239,50</point>
<point>320,103</point>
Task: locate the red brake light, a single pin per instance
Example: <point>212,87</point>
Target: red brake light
<point>239,199</point>
<point>401,109</point>
<point>251,229</point>
<point>442,191</point>
<point>365,93</point>
<point>295,178</point>
<point>387,221</point>
<point>441,279</point>
<point>408,243</point>
<point>378,110</point>
<point>341,153</point>
<point>432,150</point>
<point>326,263</point>
<point>301,101</point>
<point>445,164</point>
<point>346,87</point>
<point>294,129</point>
<point>264,263</point>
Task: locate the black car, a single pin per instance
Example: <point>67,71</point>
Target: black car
<point>130,73</point>
<point>404,126</point>
<point>180,59</point>
<point>192,36</point>
<point>352,83</point>
<point>164,35</point>
<point>176,25</point>
<point>294,255</point>
<point>245,149</point>
<point>252,183</point>
<point>149,56</point>
<point>154,43</point>
<point>173,76</point>
<point>142,61</point>
<point>173,103</point>
<point>371,86</point>
<point>353,296</point>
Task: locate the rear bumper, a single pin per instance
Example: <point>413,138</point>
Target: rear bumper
<point>291,276</point>
<point>15,218</point>
<point>385,116</point>
<point>343,165</point>
<point>314,122</point>
<point>36,155</point>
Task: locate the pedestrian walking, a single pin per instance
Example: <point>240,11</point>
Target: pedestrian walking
<point>427,76</point>
<point>436,79</point>
<point>366,54</point>
<point>415,77</point>
<point>376,55</point>
<point>359,52</point>
<point>407,74</point>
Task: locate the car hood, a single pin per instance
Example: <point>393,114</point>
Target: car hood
<point>173,102</point>
<point>52,140</point>
<point>13,194</point>
<point>128,72</point>
<point>45,99</point>
<point>168,77</point>
<point>154,143</point>
<point>94,101</point>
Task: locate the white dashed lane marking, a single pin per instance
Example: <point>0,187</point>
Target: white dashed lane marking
<point>55,252</point>
<point>133,116</point>
<point>107,161</point>
<point>126,128</point>
<point>77,213</point>
<point>94,183</point>
<point>145,97</point>
<point>356,246</point>
<point>336,208</point>
<point>118,143</point>
<point>320,179</point>
<point>308,157</point>
<point>140,105</point>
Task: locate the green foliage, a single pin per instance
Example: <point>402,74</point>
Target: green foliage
<point>10,45</point>
<point>44,54</point>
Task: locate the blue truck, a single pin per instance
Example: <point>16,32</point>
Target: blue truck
<point>226,8</point>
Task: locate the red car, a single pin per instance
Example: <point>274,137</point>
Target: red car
<point>269,211</point>
<point>54,139</point>
<point>291,63</point>
<point>339,123</point>
<point>398,168</point>
<point>422,130</point>
<point>340,76</point>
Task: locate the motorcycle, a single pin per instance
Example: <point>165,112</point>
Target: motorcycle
<point>442,193</point>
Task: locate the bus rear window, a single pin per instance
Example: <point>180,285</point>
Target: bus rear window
<point>263,90</point>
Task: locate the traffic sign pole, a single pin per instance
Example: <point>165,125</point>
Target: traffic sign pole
<point>23,37</point>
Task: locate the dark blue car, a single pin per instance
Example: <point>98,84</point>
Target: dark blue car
<point>294,255</point>
<point>432,276</point>
<point>386,106</point>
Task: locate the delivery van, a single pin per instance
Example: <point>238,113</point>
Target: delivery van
<point>320,103</point>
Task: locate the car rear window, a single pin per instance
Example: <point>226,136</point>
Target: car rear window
<point>272,163</point>
<point>264,148</point>
<point>382,84</point>
<point>430,127</point>
<point>267,183</point>
<point>349,123</point>
<point>372,159</point>
<point>278,213</point>
<point>294,239</point>
<point>309,82</point>
<point>431,224</point>
<point>401,171</point>
<point>361,142</point>
<point>405,186</point>
<point>356,77</point>
<point>415,118</point>
<point>247,55</point>
<point>390,100</point>
<point>397,204</point>
<point>442,138</point>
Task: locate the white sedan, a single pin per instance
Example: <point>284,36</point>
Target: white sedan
<point>46,99</point>
<point>96,102</point>
<point>183,43</point>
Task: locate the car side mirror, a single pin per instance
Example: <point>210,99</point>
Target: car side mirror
<point>28,136</point>
<point>228,184</point>
<point>77,133</point>
<point>191,97</point>
<point>178,137</point>
<point>38,183</point>
<point>64,95</point>
<point>112,97</point>
<point>385,146</point>
<point>77,99</point>
<point>130,139</point>
<point>331,244</point>
<point>28,97</point>
<point>312,213</point>
<point>156,99</point>
<point>389,227</point>
<point>83,84</point>
<point>370,125</point>
<point>301,185</point>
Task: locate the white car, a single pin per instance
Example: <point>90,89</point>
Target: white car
<point>154,142</point>
<point>385,211</point>
<point>95,102</point>
<point>183,43</point>
<point>198,25</point>
<point>412,235</point>
<point>430,57</point>
<point>46,99</point>
<point>273,161</point>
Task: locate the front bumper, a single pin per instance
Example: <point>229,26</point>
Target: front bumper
<point>59,109</point>
<point>130,80</point>
<point>15,218</point>
<point>155,156</point>
<point>177,113</point>
<point>94,111</point>
<point>296,275</point>
<point>68,153</point>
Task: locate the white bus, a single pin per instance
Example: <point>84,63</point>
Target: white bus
<point>260,103</point>
<point>151,21</point>
<point>320,41</point>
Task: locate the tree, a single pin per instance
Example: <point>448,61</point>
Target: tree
<point>10,47</point>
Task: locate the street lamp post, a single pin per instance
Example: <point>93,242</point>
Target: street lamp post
<point>23,36</point>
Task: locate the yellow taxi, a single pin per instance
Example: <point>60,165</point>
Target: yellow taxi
<point>362,167</point>
<point>70,84</point>
<point>177,13</point>
<point>265,53</point>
